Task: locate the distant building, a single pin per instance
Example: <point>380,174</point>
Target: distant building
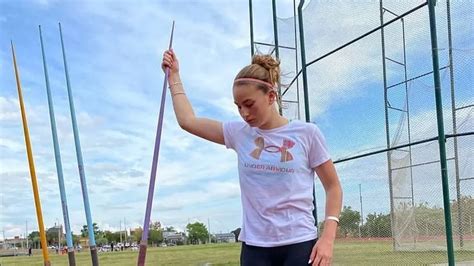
<point>13,247</point>
<point>225,238</point>
<point>56,231</point>
<point>13,242</point>
<point>174,237</point>
<point>84,242</point>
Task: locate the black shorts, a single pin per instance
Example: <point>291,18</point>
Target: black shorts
<point>289,255</point>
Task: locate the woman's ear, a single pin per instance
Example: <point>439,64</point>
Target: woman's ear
<point>273,97</point>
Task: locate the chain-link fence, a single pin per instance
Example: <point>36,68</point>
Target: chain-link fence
<point>371,90</point>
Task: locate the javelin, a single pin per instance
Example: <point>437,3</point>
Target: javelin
<point>156,152</point>
<point>31,163</point>
<point>57,156</point>
<point>80,163</point>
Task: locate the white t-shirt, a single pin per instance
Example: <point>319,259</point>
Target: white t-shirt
<point>276,180</point>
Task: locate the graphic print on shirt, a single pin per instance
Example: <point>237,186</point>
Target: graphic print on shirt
<point>283,150</point>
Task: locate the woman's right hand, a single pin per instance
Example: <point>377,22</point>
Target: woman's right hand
<point>170,61</point>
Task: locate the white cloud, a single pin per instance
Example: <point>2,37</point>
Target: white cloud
<point>46,3</point>
<point>9,109</point>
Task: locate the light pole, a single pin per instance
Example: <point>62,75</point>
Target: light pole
<point>4,239</point>
<point>59,235</point>
<point>361,210</point>
<point>121,243</point>
<point>26,222</point>
<point>209,227</point>
<point>125,230</point>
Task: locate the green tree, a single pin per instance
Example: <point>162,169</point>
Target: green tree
<point>137,234</point>
<point>35,239</point>
<point>155,236</point>
<point>76,239</point>
<point>100,241</point>
<point>349,221</point>
<point>155,225</point>
<point>377,225</point>
<point>197,232</point>
<point>429,220</point>
<point>170,229</point>
<point>85,230</point>
<point>111,236</point>
<point>466,206</point>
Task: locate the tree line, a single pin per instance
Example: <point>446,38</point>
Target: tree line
<point>428,220</point>
<point>196,233</point>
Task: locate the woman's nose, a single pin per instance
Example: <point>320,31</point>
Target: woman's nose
<point>244,113</point>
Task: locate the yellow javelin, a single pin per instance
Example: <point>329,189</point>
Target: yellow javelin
<point>31,163</point>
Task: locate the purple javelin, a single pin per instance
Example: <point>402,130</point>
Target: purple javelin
<point>156,152</point>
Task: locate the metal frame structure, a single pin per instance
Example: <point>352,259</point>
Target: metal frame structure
<point>441,136</point>
<point>454,110</point>
<point>276,46</point>
<point>388,106</point>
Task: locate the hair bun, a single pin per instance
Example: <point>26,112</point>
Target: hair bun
<point>266,61</point>
<point>271,64</point>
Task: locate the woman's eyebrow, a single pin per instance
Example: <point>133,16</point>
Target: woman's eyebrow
<point>247,100</point>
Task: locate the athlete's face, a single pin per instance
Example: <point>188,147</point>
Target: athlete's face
<point>254,105</point>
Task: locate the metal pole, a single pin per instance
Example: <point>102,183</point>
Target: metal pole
<point>296,60</point>
<point>57,157</point>
<point>27,243</point>
<point>209,226</point>
<point>387,126</point>
<point>305,89</point>
<point>31,164</point>
<point>361,210</point>
<point>59,237</point>
<point>80,164</point>
<point>121,232</point>
<point>154,166</point>
<point>252,48</point>
<point>5,240</point>
<point>303,62</point>
<point>442,138</point>
<point>413,229</point>
<point>277,49</point>
<point>275,29</point>
<point>453,111</point>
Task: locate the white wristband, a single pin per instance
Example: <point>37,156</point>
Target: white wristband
<point>334,218</point>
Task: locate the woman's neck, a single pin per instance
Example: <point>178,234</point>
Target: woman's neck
<point>276,120</point>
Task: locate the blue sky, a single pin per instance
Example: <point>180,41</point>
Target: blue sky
<point>114,51</point>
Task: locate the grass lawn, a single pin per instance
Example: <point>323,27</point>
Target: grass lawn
<point>346,253</point>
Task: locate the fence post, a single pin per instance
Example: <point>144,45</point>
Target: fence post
<point>441,136</point>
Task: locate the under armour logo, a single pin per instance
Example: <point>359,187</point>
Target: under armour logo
<point>283,150</point>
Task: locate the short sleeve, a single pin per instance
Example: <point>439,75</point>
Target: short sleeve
<point>318,151</point>
<point>229,128</point>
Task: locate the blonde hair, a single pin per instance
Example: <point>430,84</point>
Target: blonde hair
<point>264,68</point>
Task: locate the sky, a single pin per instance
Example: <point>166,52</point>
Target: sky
<point>114,51</point>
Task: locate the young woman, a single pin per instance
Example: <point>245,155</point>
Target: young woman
<point>277,160</point>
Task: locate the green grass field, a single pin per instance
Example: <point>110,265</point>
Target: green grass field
<point>346,253</point>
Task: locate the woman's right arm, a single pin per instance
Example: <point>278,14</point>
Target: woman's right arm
<point>202,127</point>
